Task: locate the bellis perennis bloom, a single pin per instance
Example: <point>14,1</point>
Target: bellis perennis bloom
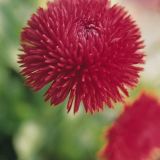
<point>86,50</point>
<point>136,134</point>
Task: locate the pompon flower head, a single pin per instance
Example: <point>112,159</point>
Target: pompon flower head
<point>136,133</point>
<point>86,50</point>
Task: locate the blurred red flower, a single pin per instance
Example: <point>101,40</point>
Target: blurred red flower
<point>85,49</point>
<point>136,133</point>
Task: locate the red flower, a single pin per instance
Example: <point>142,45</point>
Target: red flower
<point>136,134</point>
<point>85,49</point>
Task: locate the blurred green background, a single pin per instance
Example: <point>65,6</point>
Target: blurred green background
<point>30,129</point>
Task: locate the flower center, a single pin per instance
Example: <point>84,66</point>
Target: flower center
<point>88,28</point>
